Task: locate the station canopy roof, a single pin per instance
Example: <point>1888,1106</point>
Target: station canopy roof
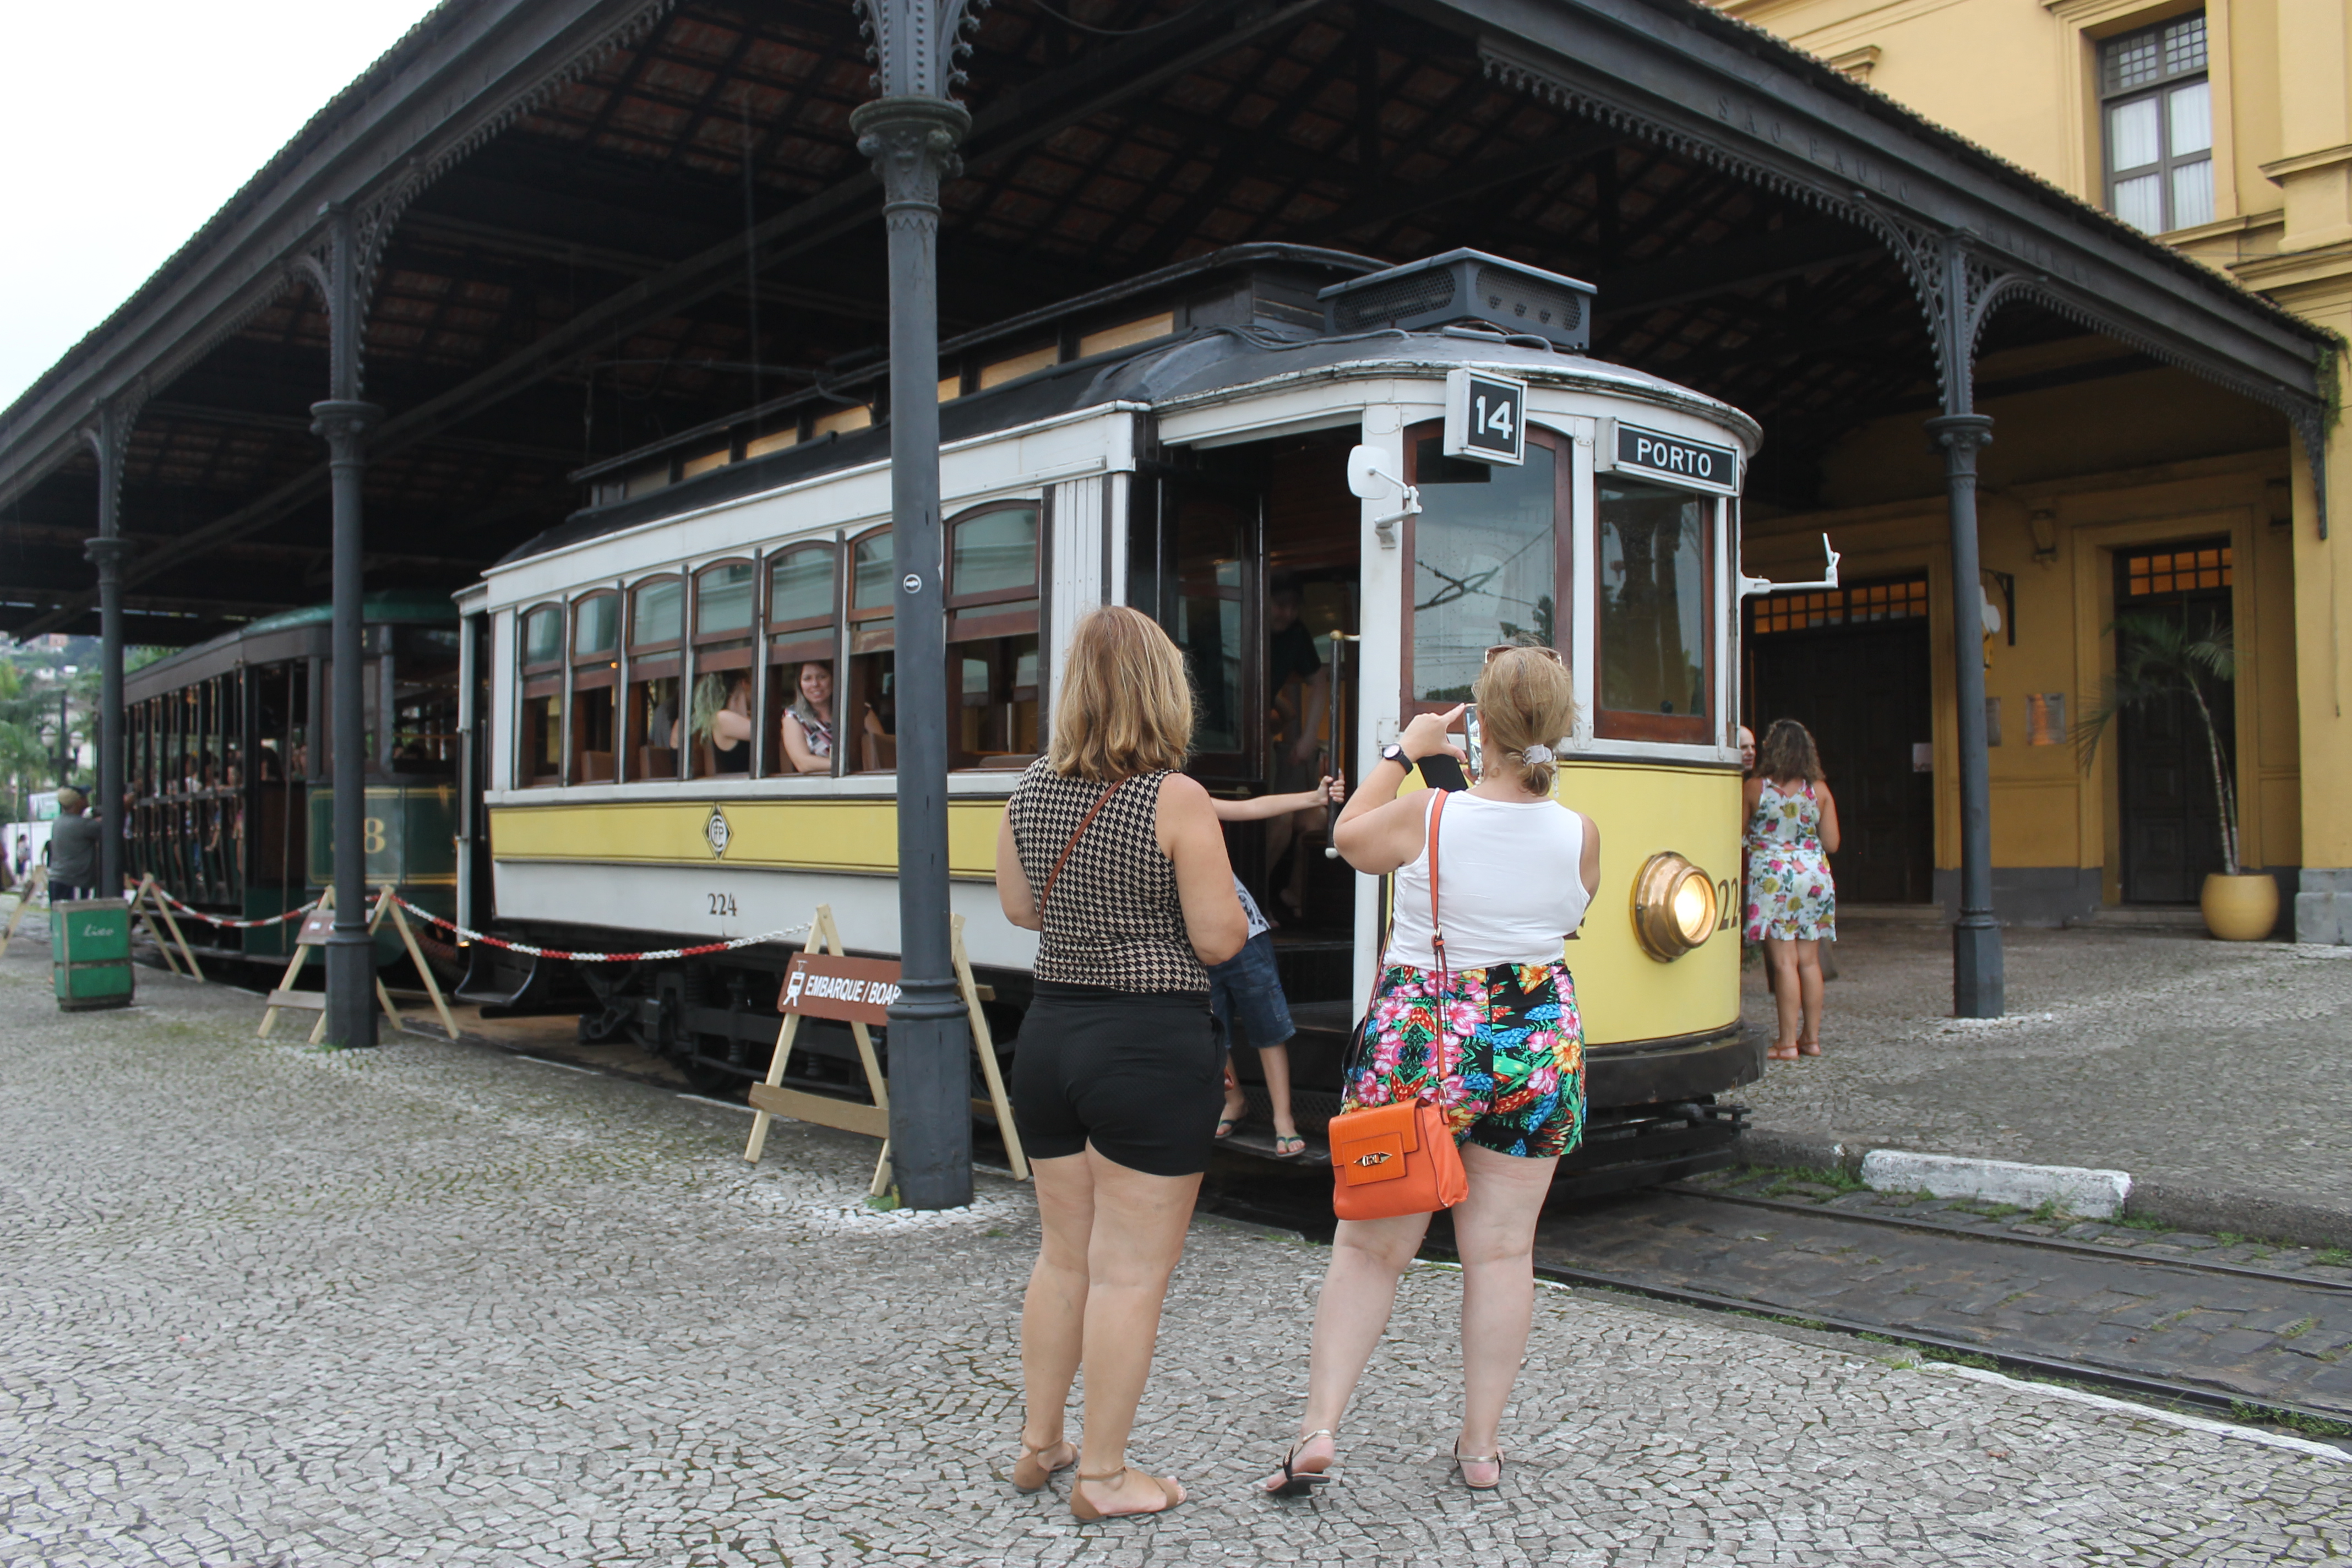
<point>599,225</point>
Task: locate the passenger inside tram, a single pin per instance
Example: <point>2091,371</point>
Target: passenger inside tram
<point>809,721</point>
<point>722,721</point>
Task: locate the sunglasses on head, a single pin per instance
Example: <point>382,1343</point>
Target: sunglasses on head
<point>1550,653</point>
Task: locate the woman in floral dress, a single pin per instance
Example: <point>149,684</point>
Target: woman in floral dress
<point>1792,830</point>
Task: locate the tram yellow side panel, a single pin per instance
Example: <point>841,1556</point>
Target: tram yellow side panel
<point>849,835</point>
<point>1623,993</point>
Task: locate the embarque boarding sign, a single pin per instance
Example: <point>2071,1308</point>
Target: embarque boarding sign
<point>858,992</point>
<point>1677,459</point>
<point>847,990</point>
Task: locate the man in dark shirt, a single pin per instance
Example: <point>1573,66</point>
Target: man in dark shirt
<point>73,849</point>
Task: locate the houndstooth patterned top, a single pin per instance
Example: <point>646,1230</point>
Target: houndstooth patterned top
<point>1114,919</point>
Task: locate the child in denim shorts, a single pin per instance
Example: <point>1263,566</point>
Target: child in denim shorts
<point>1247,989</point>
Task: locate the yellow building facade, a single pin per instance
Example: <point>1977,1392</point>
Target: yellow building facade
<point>2226,130</point>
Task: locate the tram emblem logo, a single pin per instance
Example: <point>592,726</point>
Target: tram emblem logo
<point>716,832</point>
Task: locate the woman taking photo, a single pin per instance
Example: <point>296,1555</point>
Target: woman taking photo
<point>1792,830</point>
<point>1492,1037</point>
<point>1115,859</point>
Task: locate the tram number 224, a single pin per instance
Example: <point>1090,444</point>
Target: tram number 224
<point>722,903</point>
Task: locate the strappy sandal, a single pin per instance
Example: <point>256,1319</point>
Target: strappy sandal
<point>1461,1459</point>
<point>1089,1512</point>
<point>1031,1474</point>
<point>1781,1054</point>
<point>1809,1048</point>
<point>1296,1482</point>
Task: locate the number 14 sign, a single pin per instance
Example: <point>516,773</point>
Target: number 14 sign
<point>1486,417</point>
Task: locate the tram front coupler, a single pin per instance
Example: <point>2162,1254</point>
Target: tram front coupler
<point>1369,477</point>
<point>1752,585</point>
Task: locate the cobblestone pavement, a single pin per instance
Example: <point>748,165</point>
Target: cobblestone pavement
<point>2174,1057</point>
<point>266,1306</point>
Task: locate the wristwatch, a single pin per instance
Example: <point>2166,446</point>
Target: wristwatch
<point>1394,752</point>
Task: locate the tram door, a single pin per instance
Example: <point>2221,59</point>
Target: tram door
<point>1256,566</point>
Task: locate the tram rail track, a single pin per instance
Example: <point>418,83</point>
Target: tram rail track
<point>1681,1245</point>
<point>2046,1243</point>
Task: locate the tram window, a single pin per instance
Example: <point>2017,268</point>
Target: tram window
<point>1653,600</point>
<point>719,722</point>
<point>722,600</point>
<point>424,725</point>
<point>595,666</point>
<point>542,738</point>
<point>657,633</point>
<point>993,636</point>
<point>1487,566</point>
<point>804,594</point>
<point>873,665</point>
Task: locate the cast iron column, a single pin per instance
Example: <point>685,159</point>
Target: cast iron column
<point>1976,939</point>
<point>109,550</point>
<point>343,420</point>
<point>911,139</point>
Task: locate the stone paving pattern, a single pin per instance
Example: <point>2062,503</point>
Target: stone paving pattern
<point>2171,1057</point>
<point>266,1306</point>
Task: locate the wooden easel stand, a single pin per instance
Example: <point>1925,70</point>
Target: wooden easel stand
<point>148,903</point>
<point>40,874</point>
<point>770,1099</point>
<point>285,996</point>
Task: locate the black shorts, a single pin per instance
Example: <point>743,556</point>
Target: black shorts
<point>1138,1074</point>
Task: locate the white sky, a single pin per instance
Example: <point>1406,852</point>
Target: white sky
<point>129,124</point>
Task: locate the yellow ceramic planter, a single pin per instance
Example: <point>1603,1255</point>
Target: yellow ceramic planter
<point>2242,908</point>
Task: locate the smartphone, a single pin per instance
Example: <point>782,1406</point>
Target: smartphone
<point>1441,770</point>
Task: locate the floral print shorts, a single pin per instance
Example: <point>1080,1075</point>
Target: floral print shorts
<point>1499,1050</point>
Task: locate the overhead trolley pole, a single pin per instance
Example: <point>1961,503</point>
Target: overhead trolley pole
<point>910,133</point>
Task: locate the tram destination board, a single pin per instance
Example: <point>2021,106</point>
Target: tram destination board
<point>1678,459</point>
<point>1486,417</point>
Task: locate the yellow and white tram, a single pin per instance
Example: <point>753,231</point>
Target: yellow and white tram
<point>1255,439</point>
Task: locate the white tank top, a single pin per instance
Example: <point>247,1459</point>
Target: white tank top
<point>1510,885</point>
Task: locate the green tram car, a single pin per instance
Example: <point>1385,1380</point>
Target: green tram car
<point>230,776</point>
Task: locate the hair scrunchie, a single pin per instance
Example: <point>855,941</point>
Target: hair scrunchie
<point>1536,755</point>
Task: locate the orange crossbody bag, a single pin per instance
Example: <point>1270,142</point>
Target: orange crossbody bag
<point>1393,1159</point>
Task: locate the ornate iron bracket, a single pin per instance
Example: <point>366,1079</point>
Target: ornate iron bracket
<point>917,47</point>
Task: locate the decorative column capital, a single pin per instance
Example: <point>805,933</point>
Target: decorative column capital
<point>108,553</point>
<point>1961,432</point>
<point>343,421</point>
<point>912,141</point>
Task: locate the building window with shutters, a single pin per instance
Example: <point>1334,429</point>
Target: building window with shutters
<point>2156,117</point>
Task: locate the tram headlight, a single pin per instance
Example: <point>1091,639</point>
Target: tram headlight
<point>1675,907</point>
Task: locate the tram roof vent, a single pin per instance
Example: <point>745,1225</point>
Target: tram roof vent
<point>1465,286</point>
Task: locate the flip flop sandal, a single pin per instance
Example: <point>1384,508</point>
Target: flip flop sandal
<point>1296,1146</point>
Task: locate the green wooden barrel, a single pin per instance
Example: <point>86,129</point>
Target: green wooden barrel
<point>89,954</point>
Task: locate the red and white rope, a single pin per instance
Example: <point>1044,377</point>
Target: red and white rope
<point>237,924</point>
<point>465,934</point>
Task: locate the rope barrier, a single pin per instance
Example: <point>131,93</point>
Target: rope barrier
<point>465,934</point>
<point>224,921</point>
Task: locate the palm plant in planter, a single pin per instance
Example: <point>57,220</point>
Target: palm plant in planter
<point>2161,659</point>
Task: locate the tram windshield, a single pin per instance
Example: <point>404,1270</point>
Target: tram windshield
<point>1486,565</point>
